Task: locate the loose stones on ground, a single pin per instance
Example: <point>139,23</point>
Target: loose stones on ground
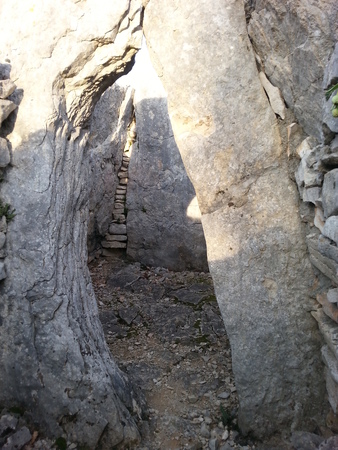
<point>165,330</point>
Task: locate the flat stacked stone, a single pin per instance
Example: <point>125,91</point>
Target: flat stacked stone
<point>317,179</point>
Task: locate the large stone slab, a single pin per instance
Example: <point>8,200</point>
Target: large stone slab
<point>228,139</point>
<point>54,361</point>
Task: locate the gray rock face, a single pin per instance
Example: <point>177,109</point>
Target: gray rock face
<point>295,43</point>
<point>330,229</point>
<point>54,361</point>
<point>227,136</point>
<point>164,224</point>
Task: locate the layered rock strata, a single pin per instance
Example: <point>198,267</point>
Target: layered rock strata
<point>54,361</point>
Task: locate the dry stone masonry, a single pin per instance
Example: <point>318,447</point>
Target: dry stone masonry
<point>116,238</point>
<point>7,87</point>
<point>318,183</point>
<point>109,126</point>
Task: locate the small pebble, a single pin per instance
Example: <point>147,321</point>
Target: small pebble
<point>224,395</point>
<point>205,431</point>
<point>225,435</point>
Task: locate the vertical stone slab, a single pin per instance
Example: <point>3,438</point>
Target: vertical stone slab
<point>230,145</point>
<point>54,361</point>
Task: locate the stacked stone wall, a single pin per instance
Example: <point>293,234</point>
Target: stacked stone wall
<point>7,106</point>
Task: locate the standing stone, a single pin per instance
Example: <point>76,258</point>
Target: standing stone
<point>230,145</point>
<point>54,361</point>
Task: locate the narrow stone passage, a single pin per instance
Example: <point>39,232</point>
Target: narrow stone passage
<point>165,330</point>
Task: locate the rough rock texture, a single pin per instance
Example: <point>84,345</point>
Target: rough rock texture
<point>111,118</point>
<point>54,360</point>
<point>163,219</point>
<point>294,41</point>
<point>163,223</point>
<point>230,145</point>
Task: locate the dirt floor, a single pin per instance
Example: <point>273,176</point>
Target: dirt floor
<point>165,330</point>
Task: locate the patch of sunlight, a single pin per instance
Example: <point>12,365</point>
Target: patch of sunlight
<point>193,210</point>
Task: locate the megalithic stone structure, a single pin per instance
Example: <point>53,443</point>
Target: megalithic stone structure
<point>229,141</point>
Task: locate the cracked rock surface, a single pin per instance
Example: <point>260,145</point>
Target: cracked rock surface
<point>54,360</point>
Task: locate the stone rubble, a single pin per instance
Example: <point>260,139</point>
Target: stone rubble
<point>166,331</point>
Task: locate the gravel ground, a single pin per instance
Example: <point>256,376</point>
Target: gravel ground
<point>165,330</point>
